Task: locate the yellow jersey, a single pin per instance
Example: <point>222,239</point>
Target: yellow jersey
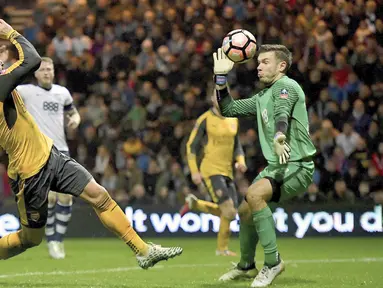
<point>27,147</point>
<point>221,146</point>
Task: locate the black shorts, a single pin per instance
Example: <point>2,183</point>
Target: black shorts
<point>61,173</point>
<point>221,188</point>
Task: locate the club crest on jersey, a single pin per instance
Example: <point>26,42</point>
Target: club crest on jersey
<point>284,94</point>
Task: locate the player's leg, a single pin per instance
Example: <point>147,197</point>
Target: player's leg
<point>32,207</point>
<point>16,243</point>
<point>225,196</point>
<point>63,216</point>
<point>228,213</point>
<point>192,203</point>
<point>51,221</point>
<point>50,228</point>
<point>116,221</point>
<point>63,213</point>
<point>74,179</point>
<point>112,216</point>
<point>248,239</point>
<point>277,184</point>
<point>257,196</point>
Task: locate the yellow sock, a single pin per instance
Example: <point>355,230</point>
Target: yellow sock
<point>10,245</point>
<point>223,234</point>
<point>207,207</point>
<point>115,220</point>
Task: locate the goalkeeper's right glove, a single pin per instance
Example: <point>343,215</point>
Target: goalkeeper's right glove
<point>222,66</point>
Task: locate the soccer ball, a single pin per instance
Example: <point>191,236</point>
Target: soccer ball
<point>239,46</point>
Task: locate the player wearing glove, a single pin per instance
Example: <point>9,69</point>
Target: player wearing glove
<point>282,149</point>
<point>283,130</point>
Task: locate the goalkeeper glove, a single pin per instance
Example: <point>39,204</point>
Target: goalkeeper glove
<point>282,149</point>
<point>222,66</point>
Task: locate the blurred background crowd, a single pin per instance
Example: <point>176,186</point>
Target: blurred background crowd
<point>140,73</point>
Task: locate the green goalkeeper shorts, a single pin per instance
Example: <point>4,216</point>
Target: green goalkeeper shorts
<point>288,180</point>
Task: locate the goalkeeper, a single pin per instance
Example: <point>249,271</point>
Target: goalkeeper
<point>283,130</point>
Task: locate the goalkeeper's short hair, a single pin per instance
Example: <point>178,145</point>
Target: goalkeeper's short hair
<point>281,52</point>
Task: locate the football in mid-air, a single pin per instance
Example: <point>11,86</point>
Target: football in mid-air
<point>239,45</point>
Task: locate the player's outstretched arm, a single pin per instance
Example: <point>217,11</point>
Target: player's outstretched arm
<point>234,108</point>
<point>227,106</point>
<point>29,60</point>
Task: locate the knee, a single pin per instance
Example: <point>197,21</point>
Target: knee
<point>227,210</point>
<point>229,213</point>
<point>65,199</point>
<point>97,196</point>
<point>52,197</point>
<point>255,197</point>
<point>31,238</point>
<point>244,213</point>
<point>259,194</point>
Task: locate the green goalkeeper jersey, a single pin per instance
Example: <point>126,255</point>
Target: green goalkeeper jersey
<point>284,99</point>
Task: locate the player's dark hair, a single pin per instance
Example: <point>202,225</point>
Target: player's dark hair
<point>281,52</point>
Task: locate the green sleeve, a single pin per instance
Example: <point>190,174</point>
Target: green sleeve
<point>236,108</point>
<point>285,96</point>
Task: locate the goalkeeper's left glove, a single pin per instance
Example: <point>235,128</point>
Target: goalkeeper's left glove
<point>282,149</point>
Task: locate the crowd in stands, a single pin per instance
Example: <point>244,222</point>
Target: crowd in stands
<point>140,73</point>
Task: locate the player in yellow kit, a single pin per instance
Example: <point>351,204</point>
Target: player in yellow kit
<point>222,151</point>
<point>36,166</point>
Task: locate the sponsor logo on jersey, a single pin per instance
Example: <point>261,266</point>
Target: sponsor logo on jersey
<point>265,117</point>
<point>51,106</point>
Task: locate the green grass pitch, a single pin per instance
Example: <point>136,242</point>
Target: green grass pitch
<point>96,263</point>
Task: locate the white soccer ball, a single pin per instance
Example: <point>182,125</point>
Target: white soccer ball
<point>239,45</point>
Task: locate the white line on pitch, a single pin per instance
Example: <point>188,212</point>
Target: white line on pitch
<point>123,269</point>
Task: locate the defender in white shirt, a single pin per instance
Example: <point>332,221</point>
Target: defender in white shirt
<point>50,104</point>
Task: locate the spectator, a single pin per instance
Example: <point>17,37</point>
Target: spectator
<point>138,196</point>
<point>62,44</point>
<point>360,118</point>
<point>164,198</point>
<point>348,139</point>
<point>129,177</point>
<point>341,193</point>
<point>313,195</point>
<point>102,161</point>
